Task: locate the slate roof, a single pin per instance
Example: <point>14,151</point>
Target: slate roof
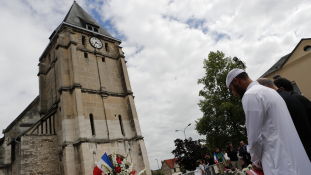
<point>279,64</point>
<point>171,162</point>
<point>79,17</point>
<point>33,103</point>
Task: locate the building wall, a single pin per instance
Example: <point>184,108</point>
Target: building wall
<point>166,169</point>
<point>39,155</point>
<point>23,122</point>
<point>15,162</point>
<point>4,171</point>
<point>97,85</point>
<point>297,70</point>
<point>177,168</point>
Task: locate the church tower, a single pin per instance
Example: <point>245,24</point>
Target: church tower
<point>86,98</point>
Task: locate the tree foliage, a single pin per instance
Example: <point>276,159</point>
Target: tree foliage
<point>223,118</point>
<point>188,152</point>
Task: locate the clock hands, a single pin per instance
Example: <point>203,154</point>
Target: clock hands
<point>96,42</point>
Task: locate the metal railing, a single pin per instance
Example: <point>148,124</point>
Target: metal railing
<point>216,169</point>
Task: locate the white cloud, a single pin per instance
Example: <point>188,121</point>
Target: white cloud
<point>165,43</point>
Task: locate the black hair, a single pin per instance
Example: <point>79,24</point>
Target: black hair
<point>242,76</point>
<point>285,83</point>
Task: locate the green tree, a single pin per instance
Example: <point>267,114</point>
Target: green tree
<point>223,118</point>
<point>188,152</point>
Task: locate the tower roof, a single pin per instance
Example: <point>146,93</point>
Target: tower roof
<point>77,17</point>
<point>80,18</point>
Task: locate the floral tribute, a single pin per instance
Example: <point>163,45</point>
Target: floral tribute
<point>120,166</point>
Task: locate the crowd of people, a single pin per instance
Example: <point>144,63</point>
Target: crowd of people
<point>237,157</point>
<point>278,123</point>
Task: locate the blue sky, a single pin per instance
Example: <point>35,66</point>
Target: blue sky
<point>165,43</point>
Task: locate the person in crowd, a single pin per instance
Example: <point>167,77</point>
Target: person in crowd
<point>273,141</point>
<point>245,155</point>
<point>208,160</point>
<point>225,155</point>
<point>297,112</point>
<point>202,167</point>
<point>240,155</point>
<point>227,159</point>
<point>233,155</point>
<point>238,149</point>
<point>220,157</point>
<point>287,87</point>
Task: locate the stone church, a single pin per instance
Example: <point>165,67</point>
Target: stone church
<point>85,106</point>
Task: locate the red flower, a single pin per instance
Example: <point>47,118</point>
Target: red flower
<point>133,172</point>
<point>117,169</point>
<point>119,160</point>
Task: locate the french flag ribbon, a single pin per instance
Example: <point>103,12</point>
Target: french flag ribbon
<point>215,158</point>
<point>99,168</point>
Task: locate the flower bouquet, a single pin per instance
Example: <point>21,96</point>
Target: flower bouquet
<point>249,167</point>
<point>119,166</point>
<point>232,171</point>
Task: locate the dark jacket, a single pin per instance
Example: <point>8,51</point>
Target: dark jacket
<point>233,154</point>
<point>300,120</point>
<point>210,161</point>
<point>305,102</point>
<point>246,156</point>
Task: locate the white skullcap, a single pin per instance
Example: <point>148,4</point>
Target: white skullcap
<point>232,74</point>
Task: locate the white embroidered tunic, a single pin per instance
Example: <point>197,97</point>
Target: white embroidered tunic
<point>272,138</point>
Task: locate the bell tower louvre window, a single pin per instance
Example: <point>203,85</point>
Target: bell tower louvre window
<point>91,27</point>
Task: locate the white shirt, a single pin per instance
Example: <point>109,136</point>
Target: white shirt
<point>203,168</point>
<point>272,137</point>
<point>226,156</point>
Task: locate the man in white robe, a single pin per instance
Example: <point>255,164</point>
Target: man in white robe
<point>273,141</point>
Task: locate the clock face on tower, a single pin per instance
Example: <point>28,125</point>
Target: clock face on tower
<point>95,42</point>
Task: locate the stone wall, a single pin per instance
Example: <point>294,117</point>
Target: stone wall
<point>114,76</point>
<point>2,153</point>
<point>23,122</point>
<point>112,51</point>
<point>166,169</point>
<point>15,162</point>
<point>88,71</point>
<point>40,155</point>
<point>96,85</point>
<point>4,171</point>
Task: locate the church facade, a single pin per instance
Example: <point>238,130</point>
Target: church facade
<point>85,106</point>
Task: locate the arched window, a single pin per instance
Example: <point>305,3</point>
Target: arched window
<point>121,125</point>
<point>92,124</point>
